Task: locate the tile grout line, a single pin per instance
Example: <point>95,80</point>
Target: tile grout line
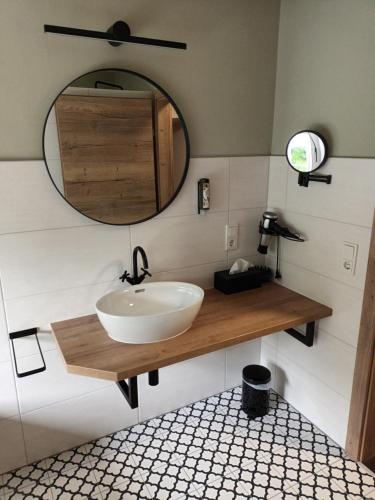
<point>313,375</point>
<point>273,257</point>
<point>336,221</point>
<point>58,228</point>
<point>20,421</point>
<point>91,285</point>
<point>58,290</point>
<point>285,208</point>
<point>56,403</point>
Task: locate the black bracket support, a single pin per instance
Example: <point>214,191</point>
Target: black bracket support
<point>129,389</point>
<point>305,178</point>
<point>308,338</point>
<point>153,377</point>
<point>21,334</point>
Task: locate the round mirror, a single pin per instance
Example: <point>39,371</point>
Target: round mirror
<point>306,151</point>
<point>116,146</point>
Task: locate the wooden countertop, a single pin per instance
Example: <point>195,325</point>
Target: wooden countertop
<point>223,321</point>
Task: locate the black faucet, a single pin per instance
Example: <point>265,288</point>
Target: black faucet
<point>136,279</point>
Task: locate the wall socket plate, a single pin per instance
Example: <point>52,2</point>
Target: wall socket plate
<point>231,237</point>
<point>349,257</point>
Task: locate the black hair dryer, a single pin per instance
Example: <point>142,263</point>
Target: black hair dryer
<point>269,227</point>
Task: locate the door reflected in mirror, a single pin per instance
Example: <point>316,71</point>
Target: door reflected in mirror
<point>306,151</point>
<point>116,146</point>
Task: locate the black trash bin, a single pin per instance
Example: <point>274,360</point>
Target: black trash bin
<point>255,390</point>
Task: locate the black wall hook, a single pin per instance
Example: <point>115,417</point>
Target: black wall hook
<point>116,35</point>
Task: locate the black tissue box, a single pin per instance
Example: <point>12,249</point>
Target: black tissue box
<point>239,282</point>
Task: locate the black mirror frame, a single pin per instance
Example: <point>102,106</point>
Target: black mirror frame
<point>325,158</point>
<point>183,125</point>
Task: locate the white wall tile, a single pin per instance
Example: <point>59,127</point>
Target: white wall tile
<point>248,232</point>
<point>202,276</point>
<point>44,261</point>
<point>67,424</point>
<point>323,249</point>
<point>237,357</point>
<point>4,336</point>
<point>55,264</point>
<point>12,450</point>
<point>318,380</point>
<point>350,198</point>
<point>277,183</point>
<point>50,275</point>
<point>329,360</point>
<point>178,242</point>
<point>29,201</point>
<point>248,182</point>
<point>217,171</point>
<point>268,358</point>
<point>345,300</point>
<point>182,383</point>
<point>327,409</point>
<point>53,385</point>
<point>8,395</point>
<point>271,340</point>
<point>62,304</point>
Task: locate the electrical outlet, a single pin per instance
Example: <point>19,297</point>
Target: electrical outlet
<point>231,237</point>
<point>349,257</point>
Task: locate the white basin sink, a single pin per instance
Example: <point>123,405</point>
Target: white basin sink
<point>149,312</point>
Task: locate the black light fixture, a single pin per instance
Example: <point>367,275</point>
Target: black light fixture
<point>116,35</point>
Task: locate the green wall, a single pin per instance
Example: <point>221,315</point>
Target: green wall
<point>223,84</point>
<point>326,74</point>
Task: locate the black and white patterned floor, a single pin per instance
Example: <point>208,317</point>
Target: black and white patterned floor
<point>208,450</point>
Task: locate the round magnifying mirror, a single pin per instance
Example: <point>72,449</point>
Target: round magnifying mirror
<point>116,146</point>
<point>306,151</point>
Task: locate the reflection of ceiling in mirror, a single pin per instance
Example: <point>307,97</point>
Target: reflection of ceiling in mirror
<point>107,92</point>
<point>127,81</point>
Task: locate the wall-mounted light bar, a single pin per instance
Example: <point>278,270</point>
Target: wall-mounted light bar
<point>116,35</point>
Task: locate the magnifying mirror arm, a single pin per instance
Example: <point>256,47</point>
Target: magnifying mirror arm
<point>305,178</point>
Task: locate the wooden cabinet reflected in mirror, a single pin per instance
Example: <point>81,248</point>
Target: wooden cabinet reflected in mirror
<point>170,143</point>
<point>116,147</point>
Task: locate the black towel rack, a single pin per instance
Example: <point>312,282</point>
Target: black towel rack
<point>27,333</point>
